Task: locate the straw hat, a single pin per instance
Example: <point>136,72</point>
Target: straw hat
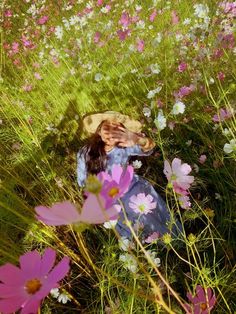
<point>92,121</point>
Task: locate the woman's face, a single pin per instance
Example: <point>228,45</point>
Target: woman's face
<point>107,128</point>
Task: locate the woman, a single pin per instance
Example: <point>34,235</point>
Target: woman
<point>116,137</point>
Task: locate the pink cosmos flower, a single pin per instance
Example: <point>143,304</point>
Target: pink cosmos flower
<point>177,175</point>
<point>184,201</point>
<point>15,47</point>
<point>142,204</point>
<point>153,15</point>
<point>97,37</point>
<point>8,13</point>
<point>202,303</point>
<point>27,87</point>
<point>24,288</point>
<point>174,18</point>
<point>224,114</point>
<point>37,76</point>
<point>140,45</point>
<point>125,19</point>
<point>123,34</point>
<point>182,67</point>
<point>184,91</point>
<point>202,159</point>
<point>153,237</point>
<point>221,76</point>
<point>99,2</point>
<point>65,213</point>
<point>116,185</point>
<point>42,20</point>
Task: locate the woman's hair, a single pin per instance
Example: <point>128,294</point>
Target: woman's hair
<point>94,153</point>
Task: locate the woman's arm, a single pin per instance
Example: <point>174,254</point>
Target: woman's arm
<point>146,143</point>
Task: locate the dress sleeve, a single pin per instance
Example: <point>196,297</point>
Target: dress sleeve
<point>81,168</point>
<point>136,150</point>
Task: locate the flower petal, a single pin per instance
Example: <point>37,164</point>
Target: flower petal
<point>30,264</point>
<point>48,260</point>
<point>31,306</point>
<point>11,274</point>
<point>11,305</point>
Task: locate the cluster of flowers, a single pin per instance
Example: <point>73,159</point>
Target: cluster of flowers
<point>179,180</point>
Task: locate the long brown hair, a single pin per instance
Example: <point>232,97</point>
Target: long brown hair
<point>94,153</point>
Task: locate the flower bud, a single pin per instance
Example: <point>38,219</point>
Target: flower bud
<point>93,185</point>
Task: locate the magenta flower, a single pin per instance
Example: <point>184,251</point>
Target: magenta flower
<point>202,302</point>
<point>97,37</point>
<point>140,45</point>
<point>184,91</point>
<point>24,288</point>
<point>152,238</point>
<point>42,20</point>
<point>125,20</point>
<point>123,34</point>
<point>177,175</point>
<point>116,185</point>
<point>142,204</point>
<point>223,115</point>
<point>182,67</point>
<point>153,15</point>
<point>65,213</point>
<point>174,18</point>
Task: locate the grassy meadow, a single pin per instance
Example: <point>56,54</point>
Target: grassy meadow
<point>169,64</point>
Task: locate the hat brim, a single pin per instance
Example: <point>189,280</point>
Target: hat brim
<point>92,121</point>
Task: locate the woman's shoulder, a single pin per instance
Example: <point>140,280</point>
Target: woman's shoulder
<point>82,151</point>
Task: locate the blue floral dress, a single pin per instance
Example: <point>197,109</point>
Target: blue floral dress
<point>159,220</point>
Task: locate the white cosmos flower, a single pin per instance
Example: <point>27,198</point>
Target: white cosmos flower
<point>125,244</point>
<point>156,260</point>
<point>55,293</point>
<point>129,262</point>
<point>110,224</point>
<point>178,108</point>
<point>63,298</point>
<point>58,32</point>
<point>98,77</point>
<point>155,68</point>
<point>201,10</point>
<point>137,164</point>
<point>231,147</point>
<point>160,121</point>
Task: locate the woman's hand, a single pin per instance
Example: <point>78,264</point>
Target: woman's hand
<point>121,136</point>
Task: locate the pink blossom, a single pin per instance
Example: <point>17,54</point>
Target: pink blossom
<point>135,19</point>
<point>177,175</point>
<point>153,237</point>
<point>27,87</point>
<point>223,115</point>
<point>140,45</point>
<point>42,20</point>
<point>184,91</point>
<point>8,13</point>
<point>108,7</point>
<point>123,34</point>
<point>174,18</point>
<point>97,37</point>
<point>182,67</point>
<point>116,184</point>
<point>24,288</point>
<point>202,303</point>
<point>184,201</point>
<point>142,204</point>
<point>171,125</point>
<point>125,19</point>
<point>37,76</point>
<point>99,2</point>
<point>202,159</point>
<point>15,47</point>
<point>153,15</point>
<point>229,8</point>
<point>221,76</point>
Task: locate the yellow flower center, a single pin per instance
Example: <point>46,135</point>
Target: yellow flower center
<point>203,306</point>
<point>32,286</point>
<point>113,192</point>
<point>141,207</point>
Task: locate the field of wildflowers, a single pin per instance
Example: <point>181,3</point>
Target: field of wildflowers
<point>169,64</point>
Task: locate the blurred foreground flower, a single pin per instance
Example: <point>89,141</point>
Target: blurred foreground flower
<point>23,288</point>
<point>102,192</point>
<point>202,302</point>
<point>129,262</point>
